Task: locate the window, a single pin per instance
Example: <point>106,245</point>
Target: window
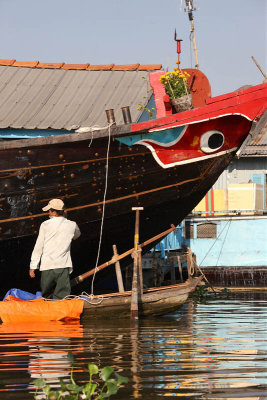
<point>207,231</point>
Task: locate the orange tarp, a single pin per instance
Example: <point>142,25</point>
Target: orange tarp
<point>17,310</point>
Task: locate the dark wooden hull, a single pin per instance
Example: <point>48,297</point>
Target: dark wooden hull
<point>167,197</point>
<point>155,301</point>
<point>168,180</point>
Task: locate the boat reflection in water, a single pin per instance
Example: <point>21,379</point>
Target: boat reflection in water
<point>208,351</point>
<point>39,349</point>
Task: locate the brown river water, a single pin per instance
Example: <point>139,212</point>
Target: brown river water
<point>216,350</point>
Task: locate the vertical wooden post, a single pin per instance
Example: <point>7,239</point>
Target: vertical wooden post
<point>173,281</point>
<point>154,267</point>
<point>126,277</point>
<point>188,261</point>
<point>134,300</point>
<point>140,269</point>
<point>180,268</point>
<point>135,281</point>
<point>118,270</point>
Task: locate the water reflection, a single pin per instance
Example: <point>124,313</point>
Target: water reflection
<point>39,349</point>
<point>205,351</point>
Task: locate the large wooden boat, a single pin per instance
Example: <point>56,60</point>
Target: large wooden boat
<point>165,165</point>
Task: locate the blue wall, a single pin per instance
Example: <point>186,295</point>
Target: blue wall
<point>238,243</point>
<point>31,133</point>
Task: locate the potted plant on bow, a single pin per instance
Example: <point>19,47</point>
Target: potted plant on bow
<point>176,86</point>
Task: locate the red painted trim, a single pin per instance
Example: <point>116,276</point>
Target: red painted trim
<point>159,94</point>
<point>212,201</point>
<point>207,204</point>
<point>249,102</point>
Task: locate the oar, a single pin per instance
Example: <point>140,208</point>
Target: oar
<point>204,276</point>
<point>81,278</point>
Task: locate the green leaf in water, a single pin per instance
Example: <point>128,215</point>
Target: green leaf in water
<point>112,387</point>
<point>39,382</point>
<point>71,357</point>
<point>121,379</point>
<point>62,385</point>
<point>72,387</point>
<point>105,373</point>
<point>93,369</point>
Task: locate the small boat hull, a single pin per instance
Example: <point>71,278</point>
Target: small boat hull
<point>155,301</point>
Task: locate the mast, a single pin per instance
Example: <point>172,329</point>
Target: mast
<point>189,9</point>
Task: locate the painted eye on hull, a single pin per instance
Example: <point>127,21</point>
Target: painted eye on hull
<point>211,141</point>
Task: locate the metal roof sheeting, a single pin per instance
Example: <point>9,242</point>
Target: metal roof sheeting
<point>258,146</point>
<point>57,98</point>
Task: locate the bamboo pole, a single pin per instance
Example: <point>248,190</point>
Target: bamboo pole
<point>194,43</point>
<point>135,282</point>
<point>85,275</point>
<point>263,73</point>
<point>193,261</point>
<point>118,270</point>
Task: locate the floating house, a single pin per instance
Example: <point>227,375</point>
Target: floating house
<point>228,229</point>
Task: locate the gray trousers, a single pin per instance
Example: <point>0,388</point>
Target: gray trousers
<point>55,283</point>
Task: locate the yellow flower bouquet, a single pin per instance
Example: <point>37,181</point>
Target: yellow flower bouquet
<point>176,83</point>
<point>176,86</point>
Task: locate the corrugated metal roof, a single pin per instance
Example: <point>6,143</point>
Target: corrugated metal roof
<point>64,96</point>
<point>258,146</point>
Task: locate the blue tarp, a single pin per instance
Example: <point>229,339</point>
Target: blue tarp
<point>21,294</point>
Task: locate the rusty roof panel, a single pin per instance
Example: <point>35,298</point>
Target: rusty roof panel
<point>31,64</point>
<point>57,98</point>
<point>75,66</point>
<point>107,67</point>
<point>100,67</point>
<point>50,65</point>
<point>258,146</point>
<point>129,67</point>
<point>149,67</point>
<point>7,62</point>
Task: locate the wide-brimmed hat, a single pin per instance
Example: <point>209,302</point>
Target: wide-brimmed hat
<point>56,204</point>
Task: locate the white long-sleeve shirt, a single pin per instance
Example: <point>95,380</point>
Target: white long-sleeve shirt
<point>52,246</point>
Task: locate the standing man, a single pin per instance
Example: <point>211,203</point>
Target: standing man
<point>52,251</point>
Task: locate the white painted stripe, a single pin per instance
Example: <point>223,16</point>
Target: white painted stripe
<point>177,124</point>
<point>192,160</point>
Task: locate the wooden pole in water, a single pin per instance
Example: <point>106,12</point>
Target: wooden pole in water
<point>173,280</point>
<point>154,268</point>
<point>118,270</point>
<point>135,281</point>
<point>140,269</point>
<point>180,268</point>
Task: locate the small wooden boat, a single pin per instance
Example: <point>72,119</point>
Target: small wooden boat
<point>155,301</point>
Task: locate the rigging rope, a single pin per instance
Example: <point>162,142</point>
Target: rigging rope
<point>230,220</point>
<point>103,212</point>
<point>223,243</point>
